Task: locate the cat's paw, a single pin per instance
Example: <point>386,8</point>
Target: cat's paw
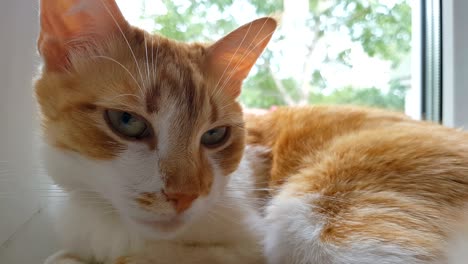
<point>63,257</point>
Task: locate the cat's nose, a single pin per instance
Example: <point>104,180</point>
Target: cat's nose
<point>181,201</point>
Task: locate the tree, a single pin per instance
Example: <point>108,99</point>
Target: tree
<point>381,28</point>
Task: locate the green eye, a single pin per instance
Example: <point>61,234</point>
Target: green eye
<point>127,124</point>
<point>215,137</point>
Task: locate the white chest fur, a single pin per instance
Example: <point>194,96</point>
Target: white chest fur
<point>228,234</point>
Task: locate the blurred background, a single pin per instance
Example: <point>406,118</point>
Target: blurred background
<point>334,51</point>
<point>405,55</point>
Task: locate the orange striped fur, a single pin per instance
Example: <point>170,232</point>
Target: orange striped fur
<point>378,177</point>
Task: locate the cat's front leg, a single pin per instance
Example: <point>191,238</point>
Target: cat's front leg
<point>63,257</point>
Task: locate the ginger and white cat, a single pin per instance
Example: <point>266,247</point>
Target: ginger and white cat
<point>143,133</point>
<point>146,136</point>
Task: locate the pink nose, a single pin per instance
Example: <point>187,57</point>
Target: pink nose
<point>181,201</point>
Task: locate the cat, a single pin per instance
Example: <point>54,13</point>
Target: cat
<point>357,185</point>
<point>143,133</point>
<point>161,165</point>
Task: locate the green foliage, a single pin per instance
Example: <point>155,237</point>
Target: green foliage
<point>186,20</point>
<point>267,7</point>
<point>260,91</point>
<point>393,99</point>
<point>383,30</point>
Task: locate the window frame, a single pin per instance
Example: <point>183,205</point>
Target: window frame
<point>455,63</point>
<point>431,73</point>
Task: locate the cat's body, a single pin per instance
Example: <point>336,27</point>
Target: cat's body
<point>353,185</point>
<point>147,137</point>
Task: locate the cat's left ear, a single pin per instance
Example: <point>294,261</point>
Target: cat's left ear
<point>68,25</point>
<point>231,58</point>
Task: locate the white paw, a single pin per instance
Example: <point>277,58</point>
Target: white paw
<point>63,257</point>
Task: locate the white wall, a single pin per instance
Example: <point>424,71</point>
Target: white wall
<point>455,62</point>
<point>18,186</point>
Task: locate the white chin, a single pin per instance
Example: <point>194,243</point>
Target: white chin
<point>159,229</point>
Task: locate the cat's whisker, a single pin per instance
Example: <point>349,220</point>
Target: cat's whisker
<point>148,82</point>
<point>227,105</point>
<point>126,40</point>
<point>122,95</point>
<point>121,106</point>
<point>121,65</point>
<point>248,195</point>
<point>155,65</point>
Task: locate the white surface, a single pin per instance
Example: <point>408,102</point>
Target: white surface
<point>33,243</point>
<point>26,235</point>
<point>18,31</point>
<point>455,63</point>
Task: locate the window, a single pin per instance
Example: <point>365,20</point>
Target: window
<point>325,52</point>
<point>431,58</point>
<point>455,63</point>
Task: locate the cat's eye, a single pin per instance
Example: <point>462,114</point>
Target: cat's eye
<point>127,124</point>
<point>215,137</point>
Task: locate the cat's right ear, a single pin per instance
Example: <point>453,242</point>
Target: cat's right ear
<point>68,25</point>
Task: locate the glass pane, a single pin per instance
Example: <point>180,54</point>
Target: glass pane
<point>325,51</point>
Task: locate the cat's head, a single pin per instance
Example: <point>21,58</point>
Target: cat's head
<point>147,124</point>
